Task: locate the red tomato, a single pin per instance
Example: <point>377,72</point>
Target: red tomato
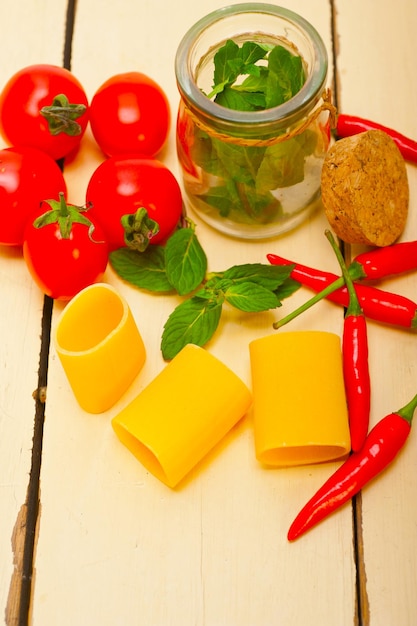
<point>22,99</point>
<point>63,263</point>
<point>122,185</point>
<point>130,113</point>
<point>27,177</point>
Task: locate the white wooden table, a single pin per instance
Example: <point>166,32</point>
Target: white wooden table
<point>111,545</point>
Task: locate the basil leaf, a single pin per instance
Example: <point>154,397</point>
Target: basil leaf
<point>251,297</point>
<point>185,261</point>
<point>193,321</point>
<point>145,270</point>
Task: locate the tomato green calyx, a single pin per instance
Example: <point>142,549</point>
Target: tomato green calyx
<point>139,229</point>
<point>62,116</point>
<point>65,215</point>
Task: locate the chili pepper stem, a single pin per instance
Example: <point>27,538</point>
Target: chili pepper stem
<point>377,304</point>
<point>354,306</point>
<point>355,273</point>
<point>407,411</point>
<point>337,284</point>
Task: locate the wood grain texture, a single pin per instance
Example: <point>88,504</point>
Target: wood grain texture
<point>32,36</point>
<point>375,83</point>
<point>214,551</point>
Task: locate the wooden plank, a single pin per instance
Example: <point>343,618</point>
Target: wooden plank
<point>115,545</point>
<point>35,36</point>
<point>374,76</point>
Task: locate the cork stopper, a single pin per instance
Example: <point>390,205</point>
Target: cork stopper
<point>365,189</point>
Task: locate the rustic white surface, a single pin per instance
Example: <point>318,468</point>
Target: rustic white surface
<point>35,34</point>
<point>114,545</point>
<point>375,82</point>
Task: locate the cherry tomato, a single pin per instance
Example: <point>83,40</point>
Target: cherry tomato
<point>27,177</point>
<point>26,94</point>
<point>130,113</point>
<point>122,185</point>
<point>64,250</point>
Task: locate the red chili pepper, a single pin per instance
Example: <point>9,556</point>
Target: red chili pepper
<point>387,261</point>
<point>382,445</point>
<point>348,125</point>
<point>377,304</point>
<point>355,360</point>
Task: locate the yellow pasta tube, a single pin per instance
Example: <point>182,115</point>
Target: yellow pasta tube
<point>299,403</point>
<point>182,414</point>
<point>99,346</point>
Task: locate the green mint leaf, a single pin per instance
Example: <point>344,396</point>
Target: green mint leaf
<point>286,76</point>
<point>230,62</point>
<point>249,78</point>
<point>255,82</point>
<point>204,155</point>
<point>145,270</point>
<point>224,68</point>
<point>287,288</point>
<point>240,100</point>
<point>218,89</point>
<point>193,321</point>
<point>263,86</point>
<point>259,274</point>
<point>283,163</point>
<point>222,199</point>
<point>217,286</point>
<point>251,297</point>
<point>251,52</point>
<point>240,162</point>
<point>185,261</point>
<point>243,203</point>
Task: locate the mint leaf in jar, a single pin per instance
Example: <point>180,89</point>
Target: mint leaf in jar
<point>255,76</point>
<point>232,61</point>
<point>285,76</point>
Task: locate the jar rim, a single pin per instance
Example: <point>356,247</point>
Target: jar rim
<point>302,100</point>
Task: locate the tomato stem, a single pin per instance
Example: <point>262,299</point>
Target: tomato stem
<point>65,216</point>
<point>139,229</point>
<point>61,116</point>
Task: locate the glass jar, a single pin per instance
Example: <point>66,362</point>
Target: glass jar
<point>252,174</point>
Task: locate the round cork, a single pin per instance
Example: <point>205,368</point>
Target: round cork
<point>365,189</point>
